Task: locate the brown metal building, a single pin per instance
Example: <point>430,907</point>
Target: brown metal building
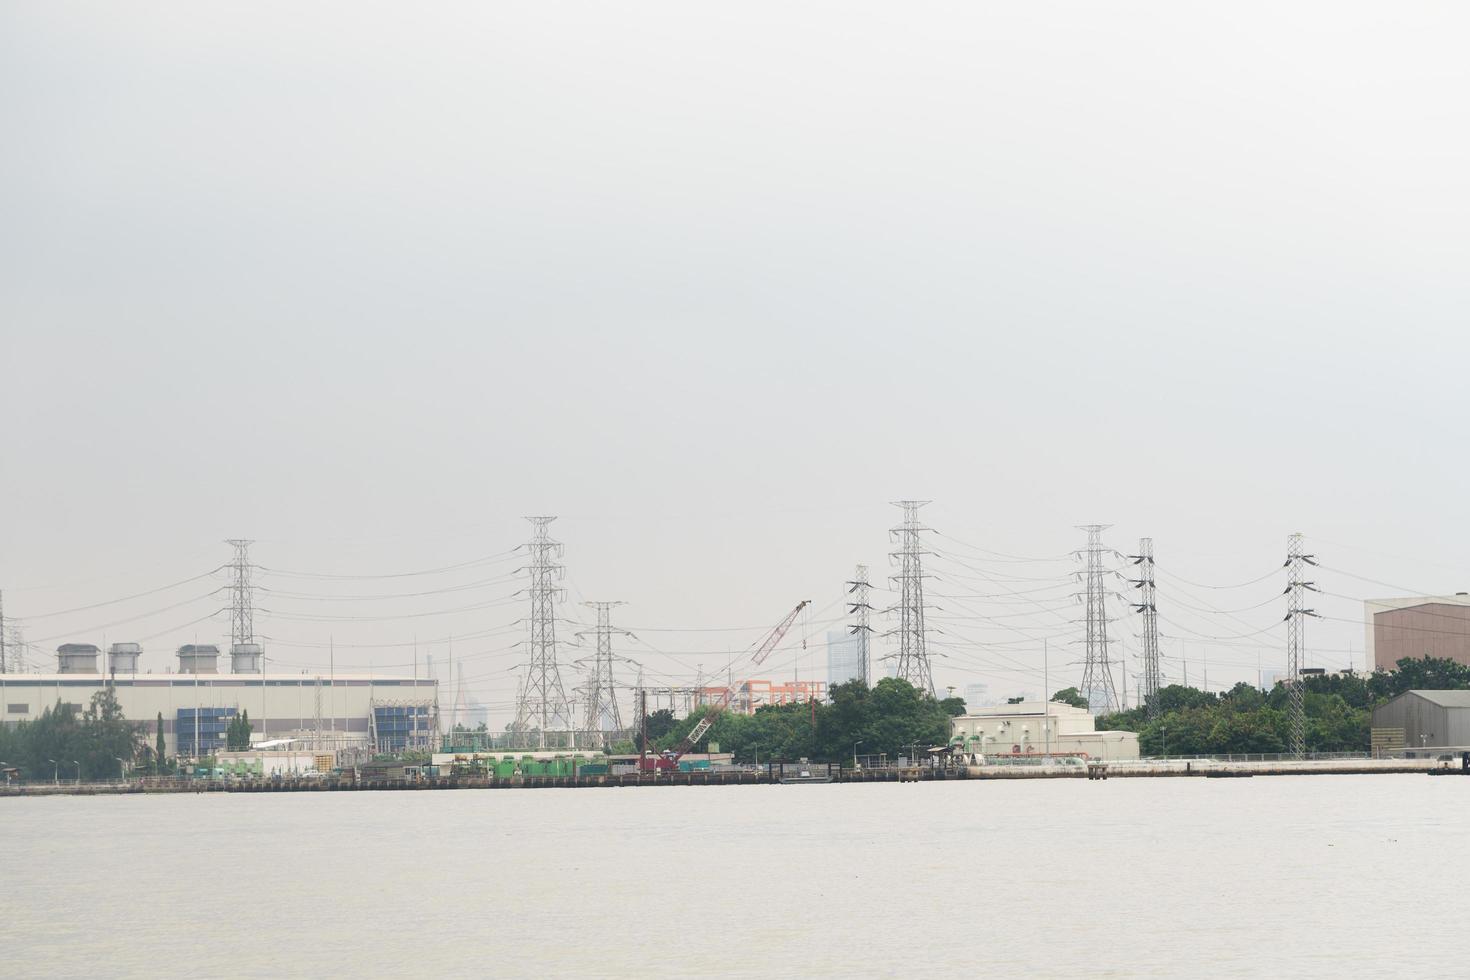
<point>1428,629</point>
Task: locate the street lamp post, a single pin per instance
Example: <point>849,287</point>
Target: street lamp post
<point>854,753</point>
<point>55,772</point>
<point>79,771</point>
<point>122,769</point>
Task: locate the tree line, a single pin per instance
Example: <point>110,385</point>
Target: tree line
<point>94,744</point>
<point>890,718</point>
<point>1245,719</point>
<point>894,718</point>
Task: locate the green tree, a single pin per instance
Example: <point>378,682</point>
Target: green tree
<point>56,735</point>
<point>1423,673</point>
<point>892,717</point>
<point>660,723</point>
<point>1072,696</point>
<point>106,737</point>
<point>237,733</point>
<point>1177,697</point>
<point>158,754</point>
<point>954,707</point>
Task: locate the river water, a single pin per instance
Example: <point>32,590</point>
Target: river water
<point>1281,876</point>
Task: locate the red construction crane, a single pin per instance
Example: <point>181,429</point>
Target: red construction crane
<point>670,759</point>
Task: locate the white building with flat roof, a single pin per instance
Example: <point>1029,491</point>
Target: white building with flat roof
<point>330,712</point>
<point>1035,728</point>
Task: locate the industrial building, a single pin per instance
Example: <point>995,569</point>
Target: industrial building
<point>1035,728</point>
<point>750,695</point>
<point>1423,720</point>
<point>1415,627</point>
<point>320,710</point>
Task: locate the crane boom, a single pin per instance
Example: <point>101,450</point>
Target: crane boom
<point>708,721</point>
<point>771,640</point>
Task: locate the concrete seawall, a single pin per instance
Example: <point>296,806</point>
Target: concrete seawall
<point>746,777</point>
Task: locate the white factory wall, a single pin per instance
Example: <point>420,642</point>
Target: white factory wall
<point>278,704</point>
<point>1034,727</point>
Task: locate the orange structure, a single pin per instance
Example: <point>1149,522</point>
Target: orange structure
<point>755,693</point>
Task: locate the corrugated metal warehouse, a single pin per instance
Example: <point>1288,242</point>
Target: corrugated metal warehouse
<point>1428,719</point>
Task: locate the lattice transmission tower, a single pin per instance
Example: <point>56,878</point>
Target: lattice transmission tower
<point>603,715</point>
<point>1148,605</point>
<point>1296,615</point>
<point>520,728</point>
<point>1097,670</point>
<point>242,608</point>
<point>546,697</point>
<point>859,608</point>
<point>913,648</point>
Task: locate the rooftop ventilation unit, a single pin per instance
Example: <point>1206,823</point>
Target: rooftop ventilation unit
<point>77,658</point>
<point>245,658</point>
<point>122,658</point>
<point>195,658</point>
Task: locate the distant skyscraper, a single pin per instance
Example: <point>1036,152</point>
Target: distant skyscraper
<point>476,713</point>
<point>844,657</point>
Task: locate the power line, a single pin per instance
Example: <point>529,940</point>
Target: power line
<point>487,559</point>
<point>126,598</point>
<point>384,596</point>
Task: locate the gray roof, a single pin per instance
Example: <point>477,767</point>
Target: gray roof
<point>1445,699</point>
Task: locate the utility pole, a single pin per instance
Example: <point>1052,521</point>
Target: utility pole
<point>1295,637</point>
<point>459,689</point>
<point>1045,695</point>
<point>642,722</point>
<point>317,739</point>
<point>544,692</point>
<point>913,653</point>
<point>859,588</point>
<point>1097,672</point>
<point>603,715</point>
<point>1148,605</point>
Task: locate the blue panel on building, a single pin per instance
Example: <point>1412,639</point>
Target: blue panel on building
<point>211,725</point>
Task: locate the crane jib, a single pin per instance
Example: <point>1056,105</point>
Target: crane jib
<point>698,731</point>
<point>775,635</point>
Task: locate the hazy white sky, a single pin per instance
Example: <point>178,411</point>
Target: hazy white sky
<point>369,282</point>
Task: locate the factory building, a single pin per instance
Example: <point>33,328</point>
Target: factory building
<point>1035,728</point>
<point>1415,627</point>
<point>1422,720</point>
<point>324,711</point>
